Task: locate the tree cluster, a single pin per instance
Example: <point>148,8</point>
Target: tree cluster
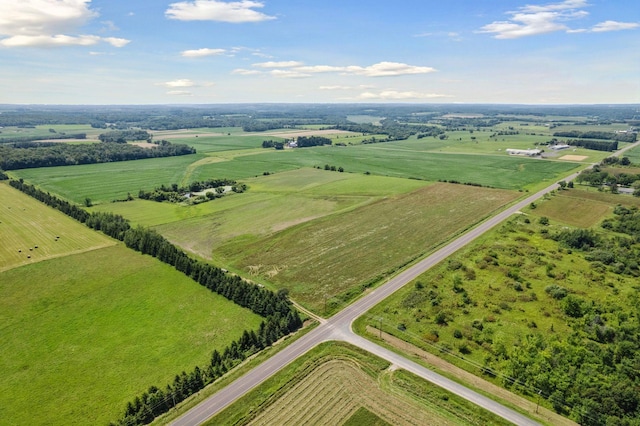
<point>33,155</point>
<point>3,175</point>
<point>596,176</point>
<point>176,194</point>
<point>618,254</point>
<point>307,141</point>
<point>281,318</point>
<point>122,136</point>
<point>596,145</point>
<point>273,144</point>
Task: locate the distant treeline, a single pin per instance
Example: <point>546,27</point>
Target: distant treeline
<point>393,129</point>
<point>53,136</point>
<point>41,154</point>
<point>620,137</point>
<point>122,136</point>
<point>281,318</point>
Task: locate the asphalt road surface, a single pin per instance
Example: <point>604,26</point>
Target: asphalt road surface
<point>338,327</point>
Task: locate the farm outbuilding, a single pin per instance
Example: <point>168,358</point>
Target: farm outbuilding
<point>527,152</point>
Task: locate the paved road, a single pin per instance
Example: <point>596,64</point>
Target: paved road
<point>338,327</point>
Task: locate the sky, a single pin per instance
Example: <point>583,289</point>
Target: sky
<point>319,51</point>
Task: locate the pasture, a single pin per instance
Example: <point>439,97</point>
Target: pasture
<point>338,384</point>
<point>32,232</point>
<point>336,255</point>
<point>85,333</point>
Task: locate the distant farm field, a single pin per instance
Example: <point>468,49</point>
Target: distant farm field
<point>32,232</point>
<point>82,335</point>
<point>335,255</point>
<point>108,181</point>
<point>407,159</point>
<point>337,384</point>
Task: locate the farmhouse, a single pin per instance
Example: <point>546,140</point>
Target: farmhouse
<point>559,146</point>
<point>527,152</point>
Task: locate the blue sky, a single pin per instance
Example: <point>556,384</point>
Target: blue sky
<point>418,51</point>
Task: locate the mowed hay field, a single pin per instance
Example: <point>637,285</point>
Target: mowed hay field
<point>336,256</point>
<point>338,384</point>
<point>84,334</point>
<point>31,232</point>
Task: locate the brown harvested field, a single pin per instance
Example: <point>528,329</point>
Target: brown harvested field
<point>573,157</point>
<point>334,391</point>
<point>335,255</point>
<point>31,232</point>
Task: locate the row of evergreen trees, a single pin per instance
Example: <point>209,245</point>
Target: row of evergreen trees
<point>281,318</point>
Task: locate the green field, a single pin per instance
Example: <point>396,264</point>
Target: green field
<point>43,131</point>
<point>231,157</point>
<point>406,159</point>
<point>82,335</point>
<point>108,181</point>
<point>333,256</point>
<point>31,233</point>
<point>336,383</point>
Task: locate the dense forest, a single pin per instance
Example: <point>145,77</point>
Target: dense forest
<point>281,318</point>
<point>42,154</point>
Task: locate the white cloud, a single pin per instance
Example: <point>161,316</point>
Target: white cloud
<point>537,19</point>
<point>319,68</point>
<point>183,82</point>
<point>199,53</point>
<point>47,23</point>
<point>381,69</point>
<point>387,69</point>
<point>395,95</point>
<point>336,87</point>
<point>614,26</point>
<point>288,74</point>
<point>179,93</point>
<point>116,42</point>
<point>242,71</point>
<point>214,10</point>
<point>281,64</point>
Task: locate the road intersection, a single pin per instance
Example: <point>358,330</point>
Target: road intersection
<point>339,328</point>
